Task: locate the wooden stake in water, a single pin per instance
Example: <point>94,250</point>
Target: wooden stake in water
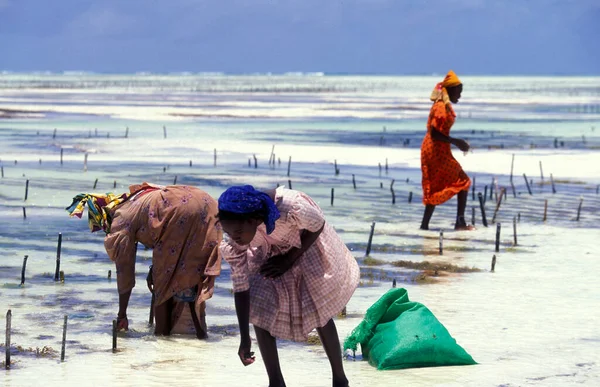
<point>484,194</point>
<point>23,270</point>
<point>289,184</point>
<point>114,336</point>
<point>337,170</point>
<point>545,210</point>
<point>493,263</point>
<point>498,226</point>
<point>527,183</point>
<point>255,162</point>
<point>215,158</point>
<point>579,209</point>
<point>498,202</point>
<point>85,159</point>
<point>7,342</point>
<point>115,184</point>
<point>151,317</point>
<point>26,189</point>
<point>410,194</point>
<point>24,213</point>
<point>541,173</point>
<point>370,240</point>
<point>164,131</point>
<point>109,274</point>
<point>127,132</point>
<point>512,166</point>
<point>95,183</point>
<point>64,340</point>
<point>386,165</point>
<point>289,166</point>
<point>473,188</point>
<point>392,191</point>
<point>441,242</point>
<point>353,181</point>
<point>492,189</point>
<point>554,188</point>
<point>190,163</point>
<point>2,169</point>
<point>58,248</point>
<point>515,230</point>
<point>249,162</point>
<point>175,180</point>
<point>473,216</point>
<point>332,195</point>
<point>379,169</point>
<point>514,191</point>
<point>54,135</point>
<point>482,207</point>
<point>61,156</point>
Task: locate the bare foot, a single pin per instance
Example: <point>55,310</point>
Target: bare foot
<point>464,228</point>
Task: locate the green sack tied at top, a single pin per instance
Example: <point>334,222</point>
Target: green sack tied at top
<point>397,333</point>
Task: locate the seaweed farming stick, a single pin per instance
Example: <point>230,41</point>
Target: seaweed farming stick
<point>26,189</point>
<point>151,317</point>
<point>85,159</point>
<point>95,183</point>
<point>393,193</point>
<point>541,173</point>
<point>554,188</point>
<point>512,166</point>
<point>289,184</point>
<point>164,131</point>
<point>23,270</point>
<point>175,180</point>
<point>515,230</point>
<point>484,194</point>
<point>473,188</point>
<point>289,166</point>
<point>58,248</point>
<point>498,203</point>
<point>410,195</point>
<point>353,181</point>
<point>370,240</point>
<point>61,155</point>
<point>441,242</point>
<point>493,263</point>
<point>114,336</point>
<point>127,132</point>
<point>332,195</point>
<point>24,213</point>
<point>482,206</point>
<point>579,209</point>
<point>473,216</point>
<point>545,210</point>
<point>498,226</point>
<point>386,165</point>
<point>7,342</point>
<point>527,183</point>
<point>64,340</point>
<point>255,161</point>
<point>215,157</point>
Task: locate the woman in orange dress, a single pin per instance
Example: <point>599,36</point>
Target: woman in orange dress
<point>443,177</point>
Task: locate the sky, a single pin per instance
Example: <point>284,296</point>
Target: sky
<point>476,37</point>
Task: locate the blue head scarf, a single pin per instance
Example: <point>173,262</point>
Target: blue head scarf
<point>245,199</point>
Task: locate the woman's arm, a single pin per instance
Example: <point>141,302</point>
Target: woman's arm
<point>436,135</point>
<point>242,309</point>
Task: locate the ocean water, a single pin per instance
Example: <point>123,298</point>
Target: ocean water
<point>533,321</point>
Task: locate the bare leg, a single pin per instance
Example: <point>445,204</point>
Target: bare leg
<point>331,343</point>
<point>268,350</point>
<point>162,317</point>
<point>427,216</point>
<point>199,324</point>
<point>461,223</point>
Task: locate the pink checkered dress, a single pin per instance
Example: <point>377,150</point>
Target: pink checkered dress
<point>313,291</point>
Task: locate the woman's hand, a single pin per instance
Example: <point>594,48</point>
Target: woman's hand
<point>122,324</point>
<point>276,266</point>
<point>246,356</point>
<point>462,144</point>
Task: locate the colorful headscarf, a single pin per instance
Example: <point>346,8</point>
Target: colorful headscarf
<point>245,199</point>
<point>99,207</point>
<point>440,93</point>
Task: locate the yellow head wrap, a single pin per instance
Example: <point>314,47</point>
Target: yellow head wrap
<point>440,93</point>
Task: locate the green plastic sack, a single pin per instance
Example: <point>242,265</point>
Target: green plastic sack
<point>397,333</point>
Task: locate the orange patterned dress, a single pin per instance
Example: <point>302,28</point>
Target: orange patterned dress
<point>443,177</point>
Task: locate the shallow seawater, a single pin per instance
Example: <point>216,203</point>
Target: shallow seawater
<point>530,322</point>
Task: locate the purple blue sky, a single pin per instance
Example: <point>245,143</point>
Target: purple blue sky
<point>332,36</point>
